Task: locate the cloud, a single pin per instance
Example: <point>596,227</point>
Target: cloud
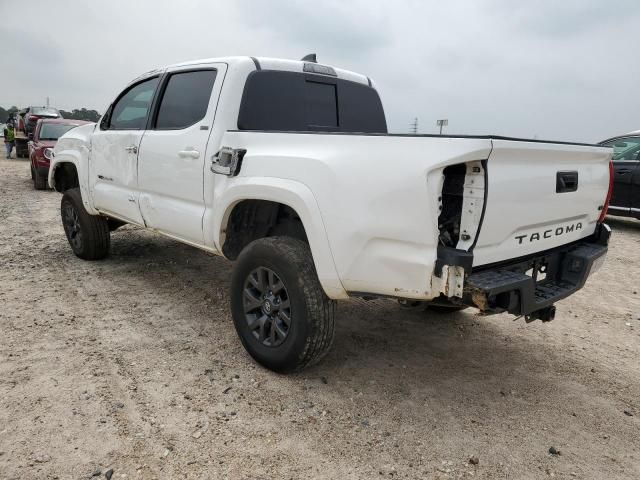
<point>568,18</point>
<point>341,28</point>
<point>556,69</point>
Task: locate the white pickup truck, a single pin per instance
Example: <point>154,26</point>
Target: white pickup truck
<point>287,168</point>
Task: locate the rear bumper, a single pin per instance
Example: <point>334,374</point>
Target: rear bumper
<point>531,286</point>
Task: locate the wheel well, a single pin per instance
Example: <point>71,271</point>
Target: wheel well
<point>254,219</point>
<point>65,177</point>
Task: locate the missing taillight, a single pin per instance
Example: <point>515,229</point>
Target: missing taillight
<point>452,198</point>
<point>462,204</point>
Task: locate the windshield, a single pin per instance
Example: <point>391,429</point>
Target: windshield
<point>44,111</point>
<point>53,131</point>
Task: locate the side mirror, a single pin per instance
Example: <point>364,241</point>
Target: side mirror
<point>104,121</point>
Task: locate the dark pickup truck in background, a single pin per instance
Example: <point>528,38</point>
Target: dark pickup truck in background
<point>625,200</point>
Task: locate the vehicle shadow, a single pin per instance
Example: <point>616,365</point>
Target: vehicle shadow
<point>439,384</point>
<point>377,343</point>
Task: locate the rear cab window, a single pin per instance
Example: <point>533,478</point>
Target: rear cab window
<point>302,102</point>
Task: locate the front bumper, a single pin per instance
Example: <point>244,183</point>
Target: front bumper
<point>530,286</point>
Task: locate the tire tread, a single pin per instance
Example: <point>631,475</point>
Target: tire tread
<point>320,308</point>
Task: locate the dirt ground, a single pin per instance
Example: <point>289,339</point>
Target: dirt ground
<point>132,364</point>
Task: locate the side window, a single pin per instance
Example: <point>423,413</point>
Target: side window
<point>625,148</point>
<point>130,111</point>
<point>185,99</point>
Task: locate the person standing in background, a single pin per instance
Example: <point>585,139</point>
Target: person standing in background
<point>9,139</point>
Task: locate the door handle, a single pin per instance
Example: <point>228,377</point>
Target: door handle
<point>189,154</point>
<point>131,149</point>
<point>566,182</point>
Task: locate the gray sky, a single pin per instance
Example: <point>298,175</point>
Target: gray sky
<point>556,69</point>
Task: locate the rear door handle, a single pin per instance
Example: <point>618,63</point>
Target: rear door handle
<point>189,154</point>
<point>131,149</point>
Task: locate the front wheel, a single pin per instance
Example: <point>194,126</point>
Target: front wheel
<point>88,235</point>
<point>280,311</point>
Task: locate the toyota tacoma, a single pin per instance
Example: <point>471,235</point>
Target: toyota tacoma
<point>286,167</point>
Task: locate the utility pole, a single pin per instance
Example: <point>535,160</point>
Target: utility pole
<point>414,126</point>
<point>47,102</point>
<point>442,123</point>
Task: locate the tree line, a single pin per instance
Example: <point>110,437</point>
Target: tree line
<point>75,114</point>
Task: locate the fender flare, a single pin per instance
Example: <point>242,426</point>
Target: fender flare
<point>295,195</point>
<point>79,157</point>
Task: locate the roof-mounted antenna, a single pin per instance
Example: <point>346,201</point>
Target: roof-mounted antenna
<point>310,58</point>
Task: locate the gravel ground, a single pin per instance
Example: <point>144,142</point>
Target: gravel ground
<point>132,364</point>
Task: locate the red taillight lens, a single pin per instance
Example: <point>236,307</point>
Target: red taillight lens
<point>605,207</point>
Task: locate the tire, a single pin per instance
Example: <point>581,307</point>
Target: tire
<point>87,234</point>
<point>40,182</point>
<point>291,290</point>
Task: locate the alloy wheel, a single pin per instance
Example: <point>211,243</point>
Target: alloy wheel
<point>71,223</point>
<point>267,307</point>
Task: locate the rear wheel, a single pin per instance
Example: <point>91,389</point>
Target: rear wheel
<point>87,234</point>
<point>283,317</point>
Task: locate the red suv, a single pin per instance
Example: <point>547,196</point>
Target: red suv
<point>45,136</point>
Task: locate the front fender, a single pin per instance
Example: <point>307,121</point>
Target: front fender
<point>230,192</point>
<point>75,147</point>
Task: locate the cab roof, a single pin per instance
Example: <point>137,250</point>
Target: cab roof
<point>266,63</point>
